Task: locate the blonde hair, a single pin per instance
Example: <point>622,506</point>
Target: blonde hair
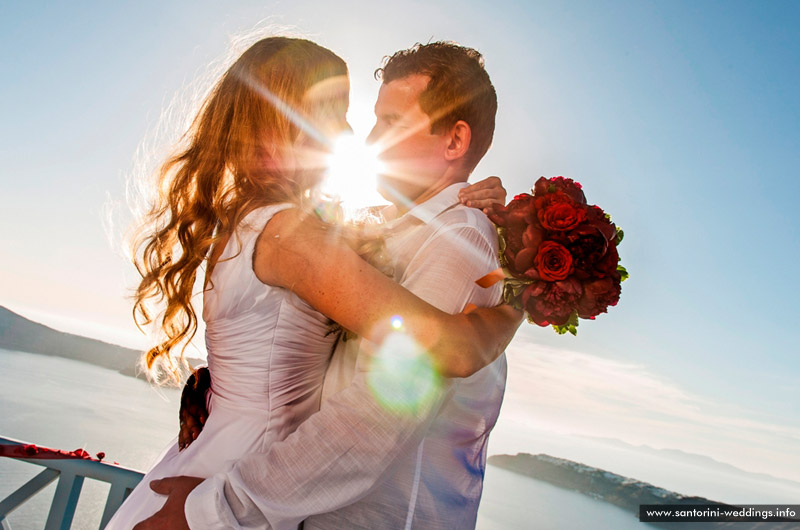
<point>226,165</point>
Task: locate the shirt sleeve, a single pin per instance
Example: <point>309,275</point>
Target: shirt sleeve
<point>345,450</point>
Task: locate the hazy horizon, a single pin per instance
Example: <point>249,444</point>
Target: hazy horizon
<point>517,435</point>
<point>136,420</point>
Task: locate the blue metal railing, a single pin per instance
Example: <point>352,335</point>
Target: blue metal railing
<point>70,474</point>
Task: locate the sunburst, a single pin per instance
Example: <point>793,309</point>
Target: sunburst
<point>352,172</point>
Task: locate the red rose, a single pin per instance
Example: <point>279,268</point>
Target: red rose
<point>597,296</point>
<point>533,236</point>
<point>520,262</point>
<point>531,302</point>
<point>553,261</point>
<point>523,260</point>
<point>516,218</point>
<point>597,218</point>
<point>587,246</point>
<point>565,185</point>
<point>557,211</point>
<point>607,266</point>
<point>551,302</point>
<point>519,212</point>
<point>514,237</point>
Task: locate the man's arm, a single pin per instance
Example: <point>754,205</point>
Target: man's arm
<point>341,453</point>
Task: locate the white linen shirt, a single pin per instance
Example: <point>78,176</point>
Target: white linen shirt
<point>365,462</point>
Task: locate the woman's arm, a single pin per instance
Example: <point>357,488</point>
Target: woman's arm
<point>300,253</point>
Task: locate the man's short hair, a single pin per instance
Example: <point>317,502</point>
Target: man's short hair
<point>459,89</point>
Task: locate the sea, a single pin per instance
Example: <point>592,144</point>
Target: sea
<point>66,404</point>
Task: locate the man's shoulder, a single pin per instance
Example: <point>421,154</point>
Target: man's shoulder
<point>461,233</point>
<point>454,239</point>
<point>460,217</point>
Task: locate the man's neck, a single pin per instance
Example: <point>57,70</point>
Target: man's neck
<point>403,206</point>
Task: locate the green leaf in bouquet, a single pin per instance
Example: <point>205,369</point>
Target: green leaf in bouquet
<point>501,247</point>
<point>620,235</point>
<point>512,292</point>
<point>570,326</point>
<point>623,273</point>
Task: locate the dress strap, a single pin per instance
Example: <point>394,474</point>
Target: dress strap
<point>243,240</point>
<point>258,218</point>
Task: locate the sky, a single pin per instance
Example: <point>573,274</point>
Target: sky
<point>679,118</point>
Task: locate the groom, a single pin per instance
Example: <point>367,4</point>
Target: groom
<point>376,455</point>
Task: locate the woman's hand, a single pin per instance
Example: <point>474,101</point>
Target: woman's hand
<point>483,194</point>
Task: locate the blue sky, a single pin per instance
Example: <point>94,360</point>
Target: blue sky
<point>680,119</point>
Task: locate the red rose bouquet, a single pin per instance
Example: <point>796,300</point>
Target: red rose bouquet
<point>558,255</point>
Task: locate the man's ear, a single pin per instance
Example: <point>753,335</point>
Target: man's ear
<point>460,136</point>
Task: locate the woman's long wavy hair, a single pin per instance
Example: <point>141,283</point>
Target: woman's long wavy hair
<point>226,165</point>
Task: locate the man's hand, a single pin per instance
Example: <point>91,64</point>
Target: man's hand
<point>483,194</point>
<point>171,515</point>
<point>193,411</point>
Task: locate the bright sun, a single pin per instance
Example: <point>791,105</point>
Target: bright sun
<point>353,168</point>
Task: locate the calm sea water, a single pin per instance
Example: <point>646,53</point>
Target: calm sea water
<point>511,500</point>
<point>66,404</point>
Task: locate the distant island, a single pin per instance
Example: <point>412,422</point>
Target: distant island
<point>627,493</point>
<point>21,334</point>
<point>704,461</point>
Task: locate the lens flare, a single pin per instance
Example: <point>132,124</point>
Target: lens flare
<point>404,378</point>
<point>397,322</point>
<point>353,169</point>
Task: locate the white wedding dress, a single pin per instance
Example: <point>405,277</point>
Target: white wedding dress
<point>267,352</point>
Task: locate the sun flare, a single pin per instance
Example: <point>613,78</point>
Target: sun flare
<point>353,168</point>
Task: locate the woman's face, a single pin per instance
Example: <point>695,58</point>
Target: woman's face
<point>325,120</point>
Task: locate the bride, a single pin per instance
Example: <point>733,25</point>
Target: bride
<point>278,280</point>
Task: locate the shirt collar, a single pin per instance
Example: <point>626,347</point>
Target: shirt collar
<point>428,210</point>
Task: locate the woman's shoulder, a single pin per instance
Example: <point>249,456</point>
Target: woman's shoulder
<point>257,219</point>
<point>289,239</point>
<point>248,229</point>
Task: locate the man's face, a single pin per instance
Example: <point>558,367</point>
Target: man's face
<point>412,155</point>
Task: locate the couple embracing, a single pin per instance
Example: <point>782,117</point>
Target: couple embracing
<point>389,430</point>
